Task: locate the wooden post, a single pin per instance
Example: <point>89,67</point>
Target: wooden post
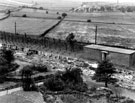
<point>96,35</point>
<point>15,27</point>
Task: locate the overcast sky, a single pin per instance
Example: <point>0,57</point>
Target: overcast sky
<point>60,1</point>
<point>121,1</point>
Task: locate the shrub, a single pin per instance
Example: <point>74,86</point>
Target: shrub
<point>88,20</point>
<point>69,80</point>
<point>46,12</point>
<point>24,15</point>
<point>81,87</point>
<point>54,84</point>
<point>59,17</point>
<point>72,75</point>
<point>40,68</point>
<point>41,8</point>
<point>64,14</point>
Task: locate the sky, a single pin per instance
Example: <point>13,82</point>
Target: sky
<point>67,1</point>
<point>121,1</point>
<point>105,0</point>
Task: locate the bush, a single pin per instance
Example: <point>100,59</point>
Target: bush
<point>64,14</point>
<point>46,12</point>
<point>81,87</point>
<point>41,8</point>
<point>88,20</point>
<point>24,15</point>
<point>69,80</point>
<point>40,68</point>
<point>59,17</point>
<point>72,75</point>
<point>54,84</point>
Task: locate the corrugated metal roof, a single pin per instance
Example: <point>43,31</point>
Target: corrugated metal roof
<point>111,49</point>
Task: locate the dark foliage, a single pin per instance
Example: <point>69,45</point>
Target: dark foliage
<point>81,87</point>
<point>6,56</point>
<point>24,15</point>
<point>47,12</point>
<point>54,84</point>
<point>72,75</point>
<point>88,20</point>
<point>104,73</point>
<point>64,15</point>
<point>59,17</point>
<point>69,80</point>
<point>26,78</point>
<point>41,8</point>
<point>40,68</point>
<point>6,63</point>
<point>70,40</point>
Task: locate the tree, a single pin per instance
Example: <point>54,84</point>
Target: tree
<point>6,63</point>
<point>6,56</point>
<point>64,15</point>
<point>26,78</point>
<point>104,73</point>
<point>70,41</point>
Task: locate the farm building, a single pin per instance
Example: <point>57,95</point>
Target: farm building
<point>123,57</point>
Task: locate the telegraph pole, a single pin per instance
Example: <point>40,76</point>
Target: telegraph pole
<point>96,35</point>
<point>15,27</point>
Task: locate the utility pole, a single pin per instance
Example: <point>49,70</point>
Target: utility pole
<point>15,27</point>
<point>96,35</point>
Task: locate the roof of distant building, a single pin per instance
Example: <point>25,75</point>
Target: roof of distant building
<point>111,49</point>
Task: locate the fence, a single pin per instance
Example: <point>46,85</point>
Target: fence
<point>38,43</point>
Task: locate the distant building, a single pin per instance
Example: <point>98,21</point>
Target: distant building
<point>119,56</point>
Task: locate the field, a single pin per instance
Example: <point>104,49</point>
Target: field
<point>122,35</point>
<point>2,15</point>
<point>26,25</point>
<point>36,13</point>
<point>114,28</point>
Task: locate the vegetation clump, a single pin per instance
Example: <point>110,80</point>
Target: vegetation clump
<point>71,79</point>
<point>88,20</point>
<point>6,63</point>
<point>24,15</point>
<point>64,15</point>
<point>104,73</point>
<point>59,17</point>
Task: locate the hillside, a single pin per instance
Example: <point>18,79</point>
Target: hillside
<point>104,6</point>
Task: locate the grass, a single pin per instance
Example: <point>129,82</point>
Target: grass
<point>2,15</point>
<point>36,13</point>
<point>26,25</point>
<point>22,97</point>
<point>122,35</point>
